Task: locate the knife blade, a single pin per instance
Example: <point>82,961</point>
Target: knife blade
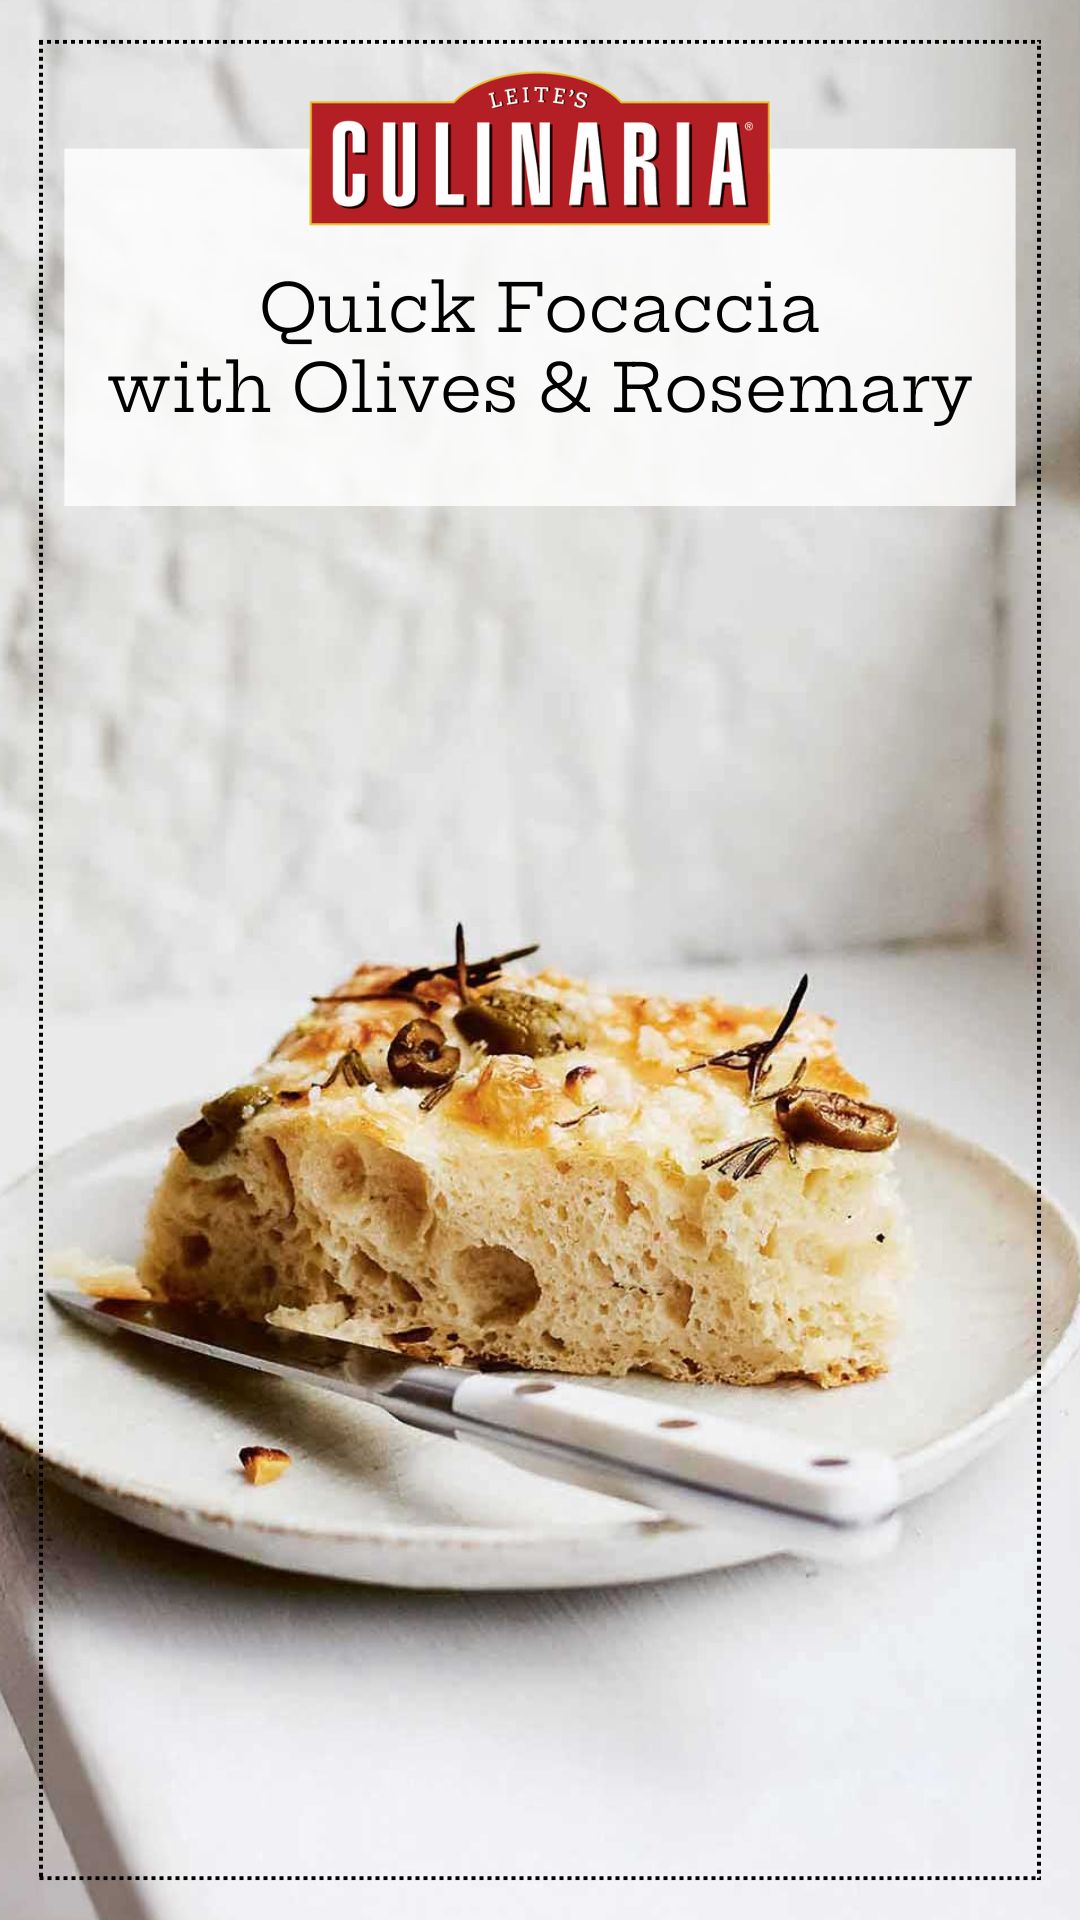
<point>827,1502</point>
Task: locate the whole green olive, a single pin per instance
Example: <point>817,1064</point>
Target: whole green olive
<point>508,1022</point>
<point>825,1118</point>
<point>420,1055</point>
<point>207,1138</point>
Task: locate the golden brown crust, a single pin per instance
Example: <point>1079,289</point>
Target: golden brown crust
<point>652,1038</point>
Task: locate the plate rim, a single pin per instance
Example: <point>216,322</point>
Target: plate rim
<point>641,1529</point>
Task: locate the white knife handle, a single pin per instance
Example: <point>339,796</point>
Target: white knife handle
<point>664,1455</point>
<point>760,1530</point>
<point>670,1444</point>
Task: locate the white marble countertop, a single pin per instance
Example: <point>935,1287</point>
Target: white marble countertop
<point>206,1718</point>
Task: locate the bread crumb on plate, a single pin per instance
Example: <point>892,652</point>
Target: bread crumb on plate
<point>102,1279</point>
<point>263,1464</point>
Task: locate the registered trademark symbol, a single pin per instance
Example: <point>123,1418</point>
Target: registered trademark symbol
<point>748,126</point>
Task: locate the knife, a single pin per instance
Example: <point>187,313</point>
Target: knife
<point>792,1494</point>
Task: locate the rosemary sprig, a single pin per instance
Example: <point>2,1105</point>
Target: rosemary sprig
<point>349,1067</point>
<point>751,1059</point>
<point>461,968</point>
<point>477,973</point>
<point>473,973</point>
<point>435,1094</point>
<point>743,1161</point>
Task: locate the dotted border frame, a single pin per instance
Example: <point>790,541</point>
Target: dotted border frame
<point>552,1878</point>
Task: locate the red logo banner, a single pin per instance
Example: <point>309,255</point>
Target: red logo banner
<point>540,149</point>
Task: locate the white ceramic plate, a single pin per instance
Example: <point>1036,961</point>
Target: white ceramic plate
<point>155,1437</point>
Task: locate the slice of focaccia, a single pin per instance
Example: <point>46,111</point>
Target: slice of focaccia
<point>475,1163</point>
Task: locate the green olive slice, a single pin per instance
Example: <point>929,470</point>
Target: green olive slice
<point>207,1138</point>
<point>821,1117</point>
<point>421,1056</point>
<point>508,1022</point>
<point>231,1109</point>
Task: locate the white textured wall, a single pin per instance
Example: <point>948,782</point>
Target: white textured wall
<point>635,735</point>
<point>279,739</point>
